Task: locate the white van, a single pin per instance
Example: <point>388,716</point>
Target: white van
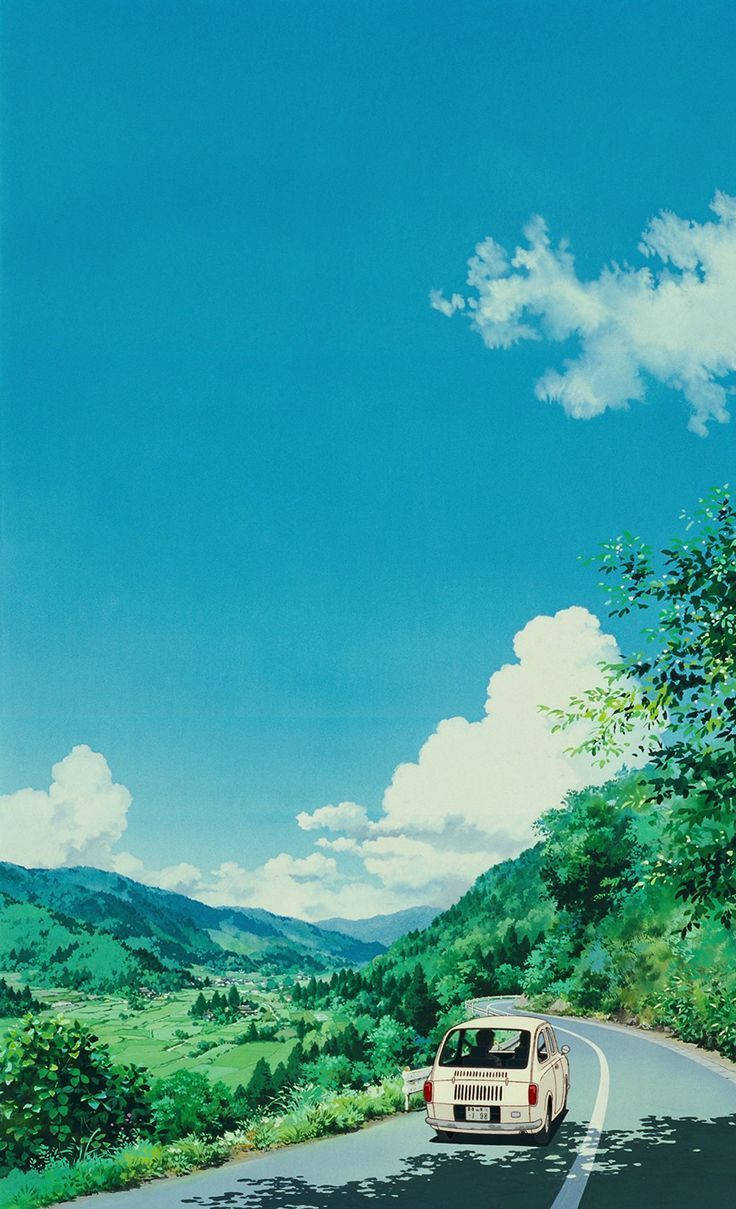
<point>498,1075</point>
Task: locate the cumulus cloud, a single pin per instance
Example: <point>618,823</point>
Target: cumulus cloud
<point>309,887</point>
<point>343,843</point>
<point>76,821</point>
<point>496,775</point>
<point>183,878</point>
<point>674,321</point>
<point>348,817</point>
<point>468,801</point>
<point>472,796</point>
<point>402,862</point>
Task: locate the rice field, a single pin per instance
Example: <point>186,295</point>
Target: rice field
<point>148,1037</point>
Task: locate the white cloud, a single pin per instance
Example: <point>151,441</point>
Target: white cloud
<point>348,817</point>
<point>497,775</point>
<point>675,321</point>
<point>311,887</point>
<point>468,801</point>
<point>75,821</point>
<point>471,797</point>
<point>343,843</point>
<point>400,861</point>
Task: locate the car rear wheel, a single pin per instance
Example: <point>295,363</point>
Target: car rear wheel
<point>542,1137</point>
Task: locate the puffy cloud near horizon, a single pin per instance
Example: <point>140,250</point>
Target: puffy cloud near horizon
<point>469,800</point>
<point>496,775</point>
<point>347,817</point>
<point>674,322</point>
<point>477,787</point>
<point>76,821</point>
<point>84,813</point>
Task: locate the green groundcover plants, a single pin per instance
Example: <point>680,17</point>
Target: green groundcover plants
<point>302,1114</point>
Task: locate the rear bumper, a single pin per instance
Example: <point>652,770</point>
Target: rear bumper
<point>485,1126</point>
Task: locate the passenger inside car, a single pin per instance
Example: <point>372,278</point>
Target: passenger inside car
<point>506,1049</point>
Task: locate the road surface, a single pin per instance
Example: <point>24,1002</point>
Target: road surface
<point>647,1127</point>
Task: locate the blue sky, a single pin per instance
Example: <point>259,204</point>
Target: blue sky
<point>268,516</point>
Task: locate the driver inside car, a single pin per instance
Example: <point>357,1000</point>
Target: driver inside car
<point>482,1051</point>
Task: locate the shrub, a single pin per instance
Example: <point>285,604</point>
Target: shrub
<point>61,1089</point>
<point>308,1113</point>
<point>333,1072</point>
<point>391,1046</point>
<point>702,1014</point>
<point>188,1103</point>
<point>552,961</point>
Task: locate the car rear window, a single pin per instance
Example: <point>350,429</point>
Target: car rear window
<point>507,1049</point>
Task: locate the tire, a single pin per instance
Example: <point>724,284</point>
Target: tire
<point>541,1138</point>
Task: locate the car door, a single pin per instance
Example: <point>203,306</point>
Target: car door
<point>558,1072</point>
<point>545,1076</point>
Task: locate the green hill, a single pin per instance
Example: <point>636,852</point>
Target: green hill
<point>495,924</point>
<point>87,927</point>
<point>588,917</point>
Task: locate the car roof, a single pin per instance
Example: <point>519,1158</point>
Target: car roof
<point>521,1022</point>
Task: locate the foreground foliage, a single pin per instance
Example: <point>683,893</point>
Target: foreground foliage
<point>307,1113</point>
<point>60,1089</point>
<point>680,695</point>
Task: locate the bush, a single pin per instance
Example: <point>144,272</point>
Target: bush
<point>61,1090</point>
<point>188,1103</point>
<point>704,1014</point>
<point>391,1046</point>
<point>63,1181</point>
<point>334,1071</point>
<point>552,961</point>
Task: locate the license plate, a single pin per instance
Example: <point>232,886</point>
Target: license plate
<point>477,1114</point>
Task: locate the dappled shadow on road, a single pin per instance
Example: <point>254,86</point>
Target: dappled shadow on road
<point>662,1163</point>
<point>450,1174</point>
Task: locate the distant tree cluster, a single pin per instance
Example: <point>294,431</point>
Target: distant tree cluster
<point>63,951</point>
<point>221,1008</point>
<point>376,992</point>
<point>17,1002</point>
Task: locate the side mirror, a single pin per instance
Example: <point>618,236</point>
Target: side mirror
<point>565,1049</point>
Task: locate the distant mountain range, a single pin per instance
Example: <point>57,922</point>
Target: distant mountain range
<point>383,929</point>
<point>89,928</point>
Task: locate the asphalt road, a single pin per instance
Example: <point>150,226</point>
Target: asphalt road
<point>647,1126</point>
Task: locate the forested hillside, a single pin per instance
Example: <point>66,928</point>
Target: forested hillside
<point>50,948</point>
<point>88,928</point>
<point>626,904</point>
<point>577,919</point>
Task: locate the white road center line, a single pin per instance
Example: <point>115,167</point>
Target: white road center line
<point>572,1190</point>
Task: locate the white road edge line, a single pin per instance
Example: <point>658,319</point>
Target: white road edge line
<point>673,1045</point>
<point>572,1190</point>
<point>571,1193</point>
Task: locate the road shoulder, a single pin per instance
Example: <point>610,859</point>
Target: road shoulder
<point>710,1059</point>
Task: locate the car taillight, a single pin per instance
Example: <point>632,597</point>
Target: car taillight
<point>533,1092</point>
<point>427,1089</point>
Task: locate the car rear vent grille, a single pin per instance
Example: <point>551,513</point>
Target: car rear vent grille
<point>478,1093</point>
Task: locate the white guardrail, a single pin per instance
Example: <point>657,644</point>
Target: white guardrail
<point>414,1080</point>
<point>481,1007</point>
